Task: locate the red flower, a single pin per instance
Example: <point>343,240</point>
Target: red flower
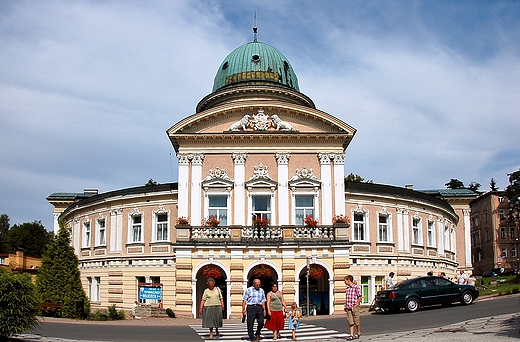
<point>212,272</point>
<point>260,222</point>
<point>310,221</point>
<point>340,219</point>
<point>183,220</point>
<point>211,221</point>
<point>316,272</point>
<point>262,272</point>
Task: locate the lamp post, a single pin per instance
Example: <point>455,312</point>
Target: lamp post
<point>308,272</point>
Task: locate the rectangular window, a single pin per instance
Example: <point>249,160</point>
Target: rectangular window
<point>137,228</point>
<point>101,241</point>
<point>86,234</point>
<point>513,252</point>
<point>487,235</point>
<point>431,231</point>
<point>304,206</point>
<point>97,289</point>
<point>162,227</point>
<point>512,233</point>
<point>502,214</point>
<point>359,227</point>
<point>217,207</point>
<point>504,253</point>
<point>485,216</point>
<point>89,289</point>
<point>416,231</point>
<point>140,280</point>
<point>364,287</point>
<point>502,233</point>
<point>383,228</point>
<point>261,207</point>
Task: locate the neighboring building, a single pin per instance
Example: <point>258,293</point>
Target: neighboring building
<point>256,148</point>
<point>494,239</point>
<point>19,262</point>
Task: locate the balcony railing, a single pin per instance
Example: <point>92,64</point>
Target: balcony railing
<point>262,235</point>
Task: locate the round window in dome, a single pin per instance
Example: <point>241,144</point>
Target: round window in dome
<point>256,58</point>
<point>225,66</point>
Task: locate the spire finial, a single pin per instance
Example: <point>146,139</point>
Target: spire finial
<point>255,29</point>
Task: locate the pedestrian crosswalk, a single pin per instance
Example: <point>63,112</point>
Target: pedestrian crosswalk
<point>238,333</point>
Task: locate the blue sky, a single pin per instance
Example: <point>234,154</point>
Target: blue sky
<point>88,88</point>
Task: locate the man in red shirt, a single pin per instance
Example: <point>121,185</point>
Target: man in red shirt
<point>352,302</point>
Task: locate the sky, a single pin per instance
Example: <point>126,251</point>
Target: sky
<point>89,88</point>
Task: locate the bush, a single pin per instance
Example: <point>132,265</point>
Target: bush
<point>97,316</point>
<point>17,303</point>
<point>170,313</point>
<point>113,314</point>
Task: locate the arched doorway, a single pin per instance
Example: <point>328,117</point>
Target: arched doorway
<point>217,273</point>
<point>319,290</point>
<point>265,273</point>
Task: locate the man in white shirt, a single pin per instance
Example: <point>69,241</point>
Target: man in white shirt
<point>463,278</point>
<point>390,281</point>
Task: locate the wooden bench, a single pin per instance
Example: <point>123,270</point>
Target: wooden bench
<point>46,308</point>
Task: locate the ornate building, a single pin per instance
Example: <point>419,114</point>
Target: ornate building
<point>261,192</point>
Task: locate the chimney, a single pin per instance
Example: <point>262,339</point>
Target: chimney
<point>409,186</point>
<point>90,191</point>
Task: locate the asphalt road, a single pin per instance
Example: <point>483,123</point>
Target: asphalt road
<point>371,324</point>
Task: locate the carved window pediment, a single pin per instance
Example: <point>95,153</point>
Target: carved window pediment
<point>217,178</point>
<point>304,177</point>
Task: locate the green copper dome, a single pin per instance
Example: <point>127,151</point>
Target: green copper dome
<point>255,63</point>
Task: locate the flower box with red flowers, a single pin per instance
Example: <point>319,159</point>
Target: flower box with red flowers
<point>310,221</point>
<point>316,272</point>
<point>340,219</point>
<point>260,222</point>
<point>212,272</point>
<point>211,221</point>
<point>262,272</point>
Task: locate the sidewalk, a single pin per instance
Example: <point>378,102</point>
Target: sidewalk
<point>503,328</point>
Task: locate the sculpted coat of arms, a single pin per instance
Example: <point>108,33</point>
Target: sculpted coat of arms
<point>261,122</point>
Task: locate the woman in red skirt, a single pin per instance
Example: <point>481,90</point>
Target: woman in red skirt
<point>276,310</point>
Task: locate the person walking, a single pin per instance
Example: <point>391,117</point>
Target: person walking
<point>471,280</point>
<point>390,281</point>
<point>352,302</point>
<point>294,316</point>
<point>211,307</point>
<point>275,311</point>
<point>253,305</point>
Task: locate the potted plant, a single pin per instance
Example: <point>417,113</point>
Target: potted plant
<point>260,222</point>
<point>211,221</point>
<point>310,221</point>
<point>340,220</point>
<point>262,272</point>
<point>212,272</point>
<point>183,220</point>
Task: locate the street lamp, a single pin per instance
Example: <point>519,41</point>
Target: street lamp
<point>308,273</point>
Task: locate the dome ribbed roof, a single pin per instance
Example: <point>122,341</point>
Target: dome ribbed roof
<point>255,63</point>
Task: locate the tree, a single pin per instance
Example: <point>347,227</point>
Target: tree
<point>58,279</point>
<point>356,178</point>
<point>474,186</point>
<point>32,237</point>
<point>4,228</point>
<point>454,184</point>
<point>493,184</point>
<point>17,303</point>
<point>513,197</point>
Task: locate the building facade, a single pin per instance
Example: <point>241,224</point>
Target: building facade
<point>494,239</point>
<point>258,157</point>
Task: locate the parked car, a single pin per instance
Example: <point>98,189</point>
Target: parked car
<point>423,291</point>
<point>510,271</point>
<point>489,274</point>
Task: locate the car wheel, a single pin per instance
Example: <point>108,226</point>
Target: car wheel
<point>412,305</point>
<point>467,298</point>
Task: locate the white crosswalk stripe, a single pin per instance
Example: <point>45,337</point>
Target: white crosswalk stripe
<point>238,333</point>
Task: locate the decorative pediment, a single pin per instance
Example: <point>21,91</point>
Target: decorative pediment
<point>261,122</point>
<point>304,177</point>
<point>217,178</point>
<point>261,177</point>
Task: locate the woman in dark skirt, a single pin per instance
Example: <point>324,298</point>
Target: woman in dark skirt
<point>211,308</point>
<point>276,310</point>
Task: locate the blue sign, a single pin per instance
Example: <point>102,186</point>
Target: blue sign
<point>153,293</point>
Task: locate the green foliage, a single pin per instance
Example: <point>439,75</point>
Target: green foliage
<point>113,314</point>
<point>98,316</point>
<point>474,186</point>
<point>455,184</point>
<point>170,313</point>
<point>17,303</point>
<point>4,228</point>
<point>513,197</point>
<point>58,279</point>
<point>32,237</point>
<point>356,178</point>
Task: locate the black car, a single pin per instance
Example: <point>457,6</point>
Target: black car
<point>414,293</point>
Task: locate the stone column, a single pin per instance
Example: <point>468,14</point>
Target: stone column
<point>440,236</point>
<point>183,190</point>
<point>339,184</point>
<point>406,230</point>
<point>467,237</point>
<point>116,230</point>
<point>196,189</point>
<point>400,233</point>
<point>326,187</point>
<point>239,211</point>
<point>283,189</point>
